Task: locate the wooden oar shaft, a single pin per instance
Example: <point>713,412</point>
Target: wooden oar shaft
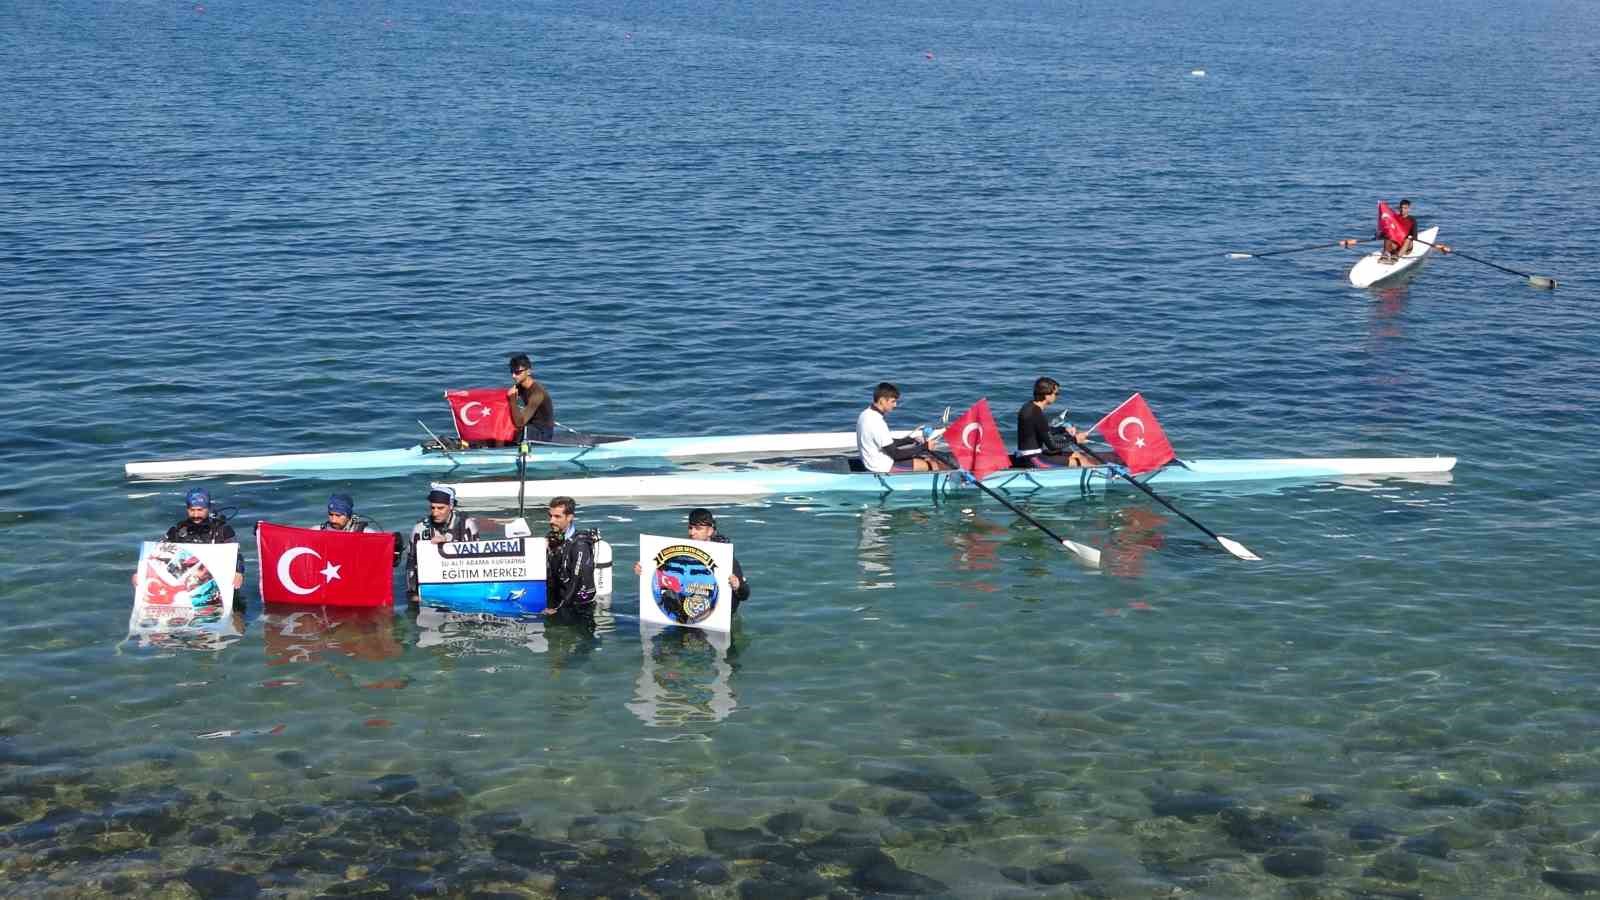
<point>1296,250</point>
<point>1144,487</point>
<point>1534,278</point>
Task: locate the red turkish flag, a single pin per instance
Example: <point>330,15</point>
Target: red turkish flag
<point>330,568</point>
<point>976,442</point>
<point>1392,225</point>
<point>482,414</point>
<point>1132,430</point>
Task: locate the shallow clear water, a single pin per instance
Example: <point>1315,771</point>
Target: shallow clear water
<point>251,228</point>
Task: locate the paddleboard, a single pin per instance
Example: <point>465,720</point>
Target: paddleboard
<point>1372,269</point>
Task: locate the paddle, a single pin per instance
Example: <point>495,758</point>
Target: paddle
<point>1538,281</point>
<point>1295,250</point>
<point>518,527</point>
<point>1228,544</point>
<point>437,440</point>
<point>1086,554</point>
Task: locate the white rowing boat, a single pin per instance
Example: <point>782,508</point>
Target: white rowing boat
<point>575,448</point>
<point>1373,269</point>
<point>837,477</point>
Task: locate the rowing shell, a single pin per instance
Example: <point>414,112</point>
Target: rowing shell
<point>577,448</point>
<point>1371,269</point>
<point>785,481</point>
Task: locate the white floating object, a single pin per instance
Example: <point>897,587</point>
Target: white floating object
<point>1198,73</point>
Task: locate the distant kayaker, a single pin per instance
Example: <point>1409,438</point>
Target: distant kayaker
<point>1398,229</point>
<point>569,566</point>
<point>1038,445</point>
<point>442,524</point>
<point>203,525</point>
<point>533,413</point>
<point>879,450</point>
<point>703,527</point>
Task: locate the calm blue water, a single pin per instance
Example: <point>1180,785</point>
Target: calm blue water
<point>237,228</point>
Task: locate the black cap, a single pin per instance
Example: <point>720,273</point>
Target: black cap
<point>702,516</point>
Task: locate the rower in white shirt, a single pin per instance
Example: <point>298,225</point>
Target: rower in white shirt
<point>880,452</point>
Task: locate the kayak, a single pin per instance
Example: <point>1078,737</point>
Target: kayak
<point>836,477</point>
<point>1372,269</point>
<point>575,448</point>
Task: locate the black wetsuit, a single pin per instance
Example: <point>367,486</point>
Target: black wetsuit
<point>459,528</point>
<point>214,530</point>
<point>539,421</point>
<point>742,592</point>
<point>569,577</point>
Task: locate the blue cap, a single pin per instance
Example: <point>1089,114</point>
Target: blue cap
<point>197,497</point>
<point>343,504</point>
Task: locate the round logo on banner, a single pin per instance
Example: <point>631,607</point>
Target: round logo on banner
<point>685,586</point>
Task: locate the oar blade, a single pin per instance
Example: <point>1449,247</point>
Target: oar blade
<point>1236,548</point>
<point>1086,554</point>
<point>1241,255</point>
<point>1539,281</point>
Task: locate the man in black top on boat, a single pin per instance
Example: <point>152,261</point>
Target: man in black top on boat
<point>203,525</point>
<point>1038,445</point>
<point>533,413</point>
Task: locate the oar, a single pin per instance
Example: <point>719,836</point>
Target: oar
<point>1295,250</point>
<point>522,478</point>
<point>437,440</point>
<point>1228,544</point>
<point>1538,281</point>
<point>1085,553</point>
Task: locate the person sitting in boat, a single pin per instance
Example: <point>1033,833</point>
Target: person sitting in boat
<point>203,525</point>
<point>533,413</point>
<point>569,566</point>
<point>1038,445</point>
<point>703,527</point>
<point>1398,231</point>
<point>442,524</point>
<point>878,449</point>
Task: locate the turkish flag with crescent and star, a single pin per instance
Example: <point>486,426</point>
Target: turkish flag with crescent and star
<point>481,414</point>
<point>1391,225</point>
<point>1132,430</point>
<point>329,568</point>
<point>976,442</point>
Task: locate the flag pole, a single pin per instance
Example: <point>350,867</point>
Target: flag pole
<point>1228,544</point>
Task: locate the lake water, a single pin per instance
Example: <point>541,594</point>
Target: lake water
<point>235,228</point>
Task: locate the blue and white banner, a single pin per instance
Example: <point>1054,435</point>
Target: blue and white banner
<point>183,589</point>
<point>502,576</point>
<point>684,582</point>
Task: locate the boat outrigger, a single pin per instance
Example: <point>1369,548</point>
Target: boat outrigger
<point>837,477</point>
<point>433,456</point>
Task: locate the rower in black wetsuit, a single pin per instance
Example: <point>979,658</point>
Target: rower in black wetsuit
<point>533,413</point>
<point>1039,446</point>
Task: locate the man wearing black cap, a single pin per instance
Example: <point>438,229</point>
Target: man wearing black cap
<point>442,523</point>
<point>203,526</point>
<point>703,527</point>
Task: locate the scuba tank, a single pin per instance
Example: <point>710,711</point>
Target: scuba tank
<point>602,571</point>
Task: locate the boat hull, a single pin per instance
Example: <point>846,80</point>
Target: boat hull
<point>504,459</point>
<point>1371,270</point>
<point>796,481</point>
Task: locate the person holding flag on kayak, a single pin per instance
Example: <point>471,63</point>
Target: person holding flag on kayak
<point>880,452</point>
<point>533,413</point>
<point>1398,230</point>
<point>1038,445</point>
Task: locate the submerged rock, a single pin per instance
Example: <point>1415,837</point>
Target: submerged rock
<point>785,823</point>
<point>533,853</point>
<point>390,786</point>
<point>1296,862</point>
<point>1258,832</point>
<point>884,875</point>
<point>1372,836</point>
<point>221,884</point>
<point>1395,865</point>
<point>1433,844</point>
<point>1572,882</point>
<point>1447,795</point>
<point>733,842</point>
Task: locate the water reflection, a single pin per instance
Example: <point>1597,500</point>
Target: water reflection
<point>875,547</point>
<point>1135,531</point>
<point>307,634</point>
<point>473,633</point>
<point>684,677</point>
<point>1386,312</point>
